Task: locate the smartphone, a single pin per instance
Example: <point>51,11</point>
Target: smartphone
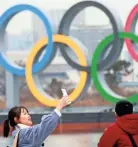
<point>64,92</point>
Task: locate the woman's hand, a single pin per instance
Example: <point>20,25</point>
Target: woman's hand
<point>64,101</point>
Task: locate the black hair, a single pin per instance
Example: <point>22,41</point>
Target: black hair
<point>15,112</point>
<point>123,107</point>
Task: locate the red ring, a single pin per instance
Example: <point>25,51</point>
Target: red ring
<point>129,43</point>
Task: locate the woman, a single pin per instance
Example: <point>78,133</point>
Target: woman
<point>29,135</point>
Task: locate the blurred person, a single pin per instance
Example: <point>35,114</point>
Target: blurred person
<point>24,132</point>
<point>124,132</point>
<point>55,88</point>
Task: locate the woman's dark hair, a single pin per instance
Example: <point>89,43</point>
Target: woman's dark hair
<point>15,112</point>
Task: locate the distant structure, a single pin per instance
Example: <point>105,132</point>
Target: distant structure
<point>54,16</point>
<point>88,36</point>
<point>134,76</point>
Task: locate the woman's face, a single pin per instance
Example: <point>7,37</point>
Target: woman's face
<point>25,118</point>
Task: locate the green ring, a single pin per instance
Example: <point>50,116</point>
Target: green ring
<point>94,69</point>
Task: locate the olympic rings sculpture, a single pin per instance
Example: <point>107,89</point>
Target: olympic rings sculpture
<point>95,71</point>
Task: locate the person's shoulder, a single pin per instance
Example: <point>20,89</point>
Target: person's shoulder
<point>113,125</point>
<point>26,132</point>
<point>112,128</point>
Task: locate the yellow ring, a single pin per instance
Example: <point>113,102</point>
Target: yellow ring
<point>29,78</point>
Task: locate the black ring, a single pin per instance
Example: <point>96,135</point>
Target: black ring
<point>117,44</point>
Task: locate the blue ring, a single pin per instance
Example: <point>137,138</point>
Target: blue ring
<point>4,19</point>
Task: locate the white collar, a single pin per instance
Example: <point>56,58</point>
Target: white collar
<point>22,126</point>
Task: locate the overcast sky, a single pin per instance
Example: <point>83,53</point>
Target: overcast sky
<point>17,24</point>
